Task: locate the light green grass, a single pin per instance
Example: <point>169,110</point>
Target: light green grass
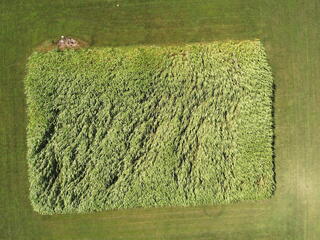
<point>149,126</point>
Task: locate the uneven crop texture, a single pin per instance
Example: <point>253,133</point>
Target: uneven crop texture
<point>149,126</point>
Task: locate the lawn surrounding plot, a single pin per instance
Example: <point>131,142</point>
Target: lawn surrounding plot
<point>149,126</point>
<point>290,36</point>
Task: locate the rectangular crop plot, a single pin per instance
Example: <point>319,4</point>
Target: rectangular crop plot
<point>149,126</point>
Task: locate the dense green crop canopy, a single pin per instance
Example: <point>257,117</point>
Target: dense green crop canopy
<point>149,126</point>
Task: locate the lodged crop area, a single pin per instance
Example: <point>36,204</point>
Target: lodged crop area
<point>149,126</point>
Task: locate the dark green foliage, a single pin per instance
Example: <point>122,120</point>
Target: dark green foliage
<point>149,126</point>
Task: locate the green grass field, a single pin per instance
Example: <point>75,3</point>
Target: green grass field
<point>149,126</point>
<point>289,30</point>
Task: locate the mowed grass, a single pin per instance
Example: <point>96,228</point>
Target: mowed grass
<point>289,32</point>
<point>149,126</point>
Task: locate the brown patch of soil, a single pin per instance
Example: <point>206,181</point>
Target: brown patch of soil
<point>68,42</point>
<point>63,43</point>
